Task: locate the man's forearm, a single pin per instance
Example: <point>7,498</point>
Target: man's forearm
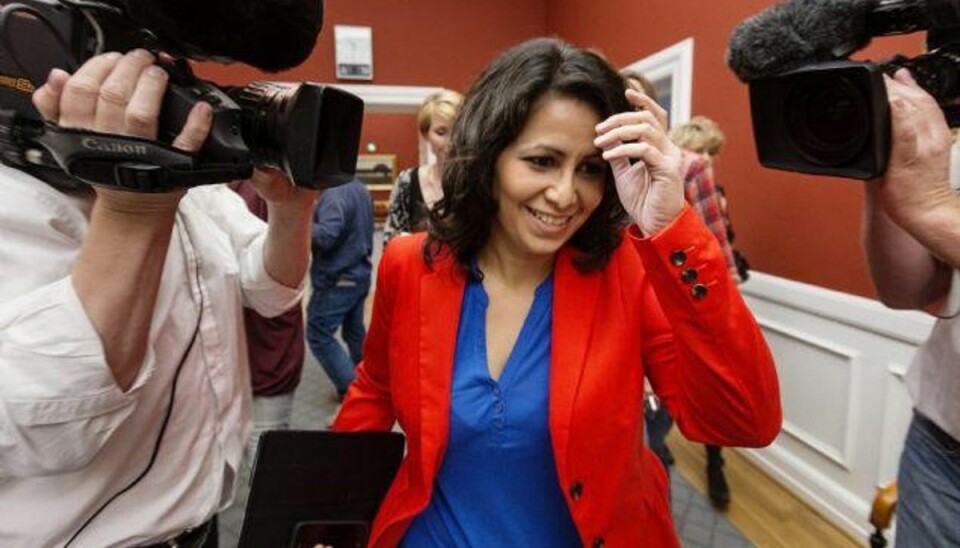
<point>904,272</point>
<point>938,228</point>
<point>286,254</point>
<point>117,278</point>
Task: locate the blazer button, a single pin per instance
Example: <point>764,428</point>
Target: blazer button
<point>689,275</point>
<point>678,258</point>
<point>576,490</point>
<point>699,291</point>
<point>599,543</point>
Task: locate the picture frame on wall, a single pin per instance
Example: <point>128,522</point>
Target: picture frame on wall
<point>378,172</point>
<point>354,52</point>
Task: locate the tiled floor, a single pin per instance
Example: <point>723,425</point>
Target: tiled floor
<point>700,526</point>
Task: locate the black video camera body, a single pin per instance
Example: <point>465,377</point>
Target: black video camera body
<point>831,117</point>
<point>311,132</point>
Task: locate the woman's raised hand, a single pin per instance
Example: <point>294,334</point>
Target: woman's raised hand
<point>646,164</point>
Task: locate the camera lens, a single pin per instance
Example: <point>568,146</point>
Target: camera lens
<point>310,131</point>
<point>281,126</point>
<point>827,120</point>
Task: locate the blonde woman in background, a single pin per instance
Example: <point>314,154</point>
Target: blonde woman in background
<point>417,189</point>
<point>700,135</point>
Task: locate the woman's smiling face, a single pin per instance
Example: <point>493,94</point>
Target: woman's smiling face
<point>550,179</point>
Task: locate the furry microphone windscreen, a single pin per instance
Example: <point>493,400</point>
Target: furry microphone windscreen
<point>271,35</point>
<point>796,33</point>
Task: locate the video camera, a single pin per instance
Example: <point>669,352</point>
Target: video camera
<point>816,112</point>
<point>310,131</point>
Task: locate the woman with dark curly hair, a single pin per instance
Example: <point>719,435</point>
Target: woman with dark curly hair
<point>512,340</point>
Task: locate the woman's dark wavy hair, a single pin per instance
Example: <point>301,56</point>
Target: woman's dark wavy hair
<point>492,117</point>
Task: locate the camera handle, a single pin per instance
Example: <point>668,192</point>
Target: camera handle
<point>118,161</point>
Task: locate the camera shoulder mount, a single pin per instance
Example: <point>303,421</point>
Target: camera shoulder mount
<point>118,161</point>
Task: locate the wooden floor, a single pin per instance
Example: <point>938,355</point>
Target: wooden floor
<point>767,514</point>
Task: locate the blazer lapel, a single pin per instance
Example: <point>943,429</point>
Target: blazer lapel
<point>441,295</point>
<point>574,308</point>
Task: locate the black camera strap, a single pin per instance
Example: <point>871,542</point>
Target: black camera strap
<point>118,161</point>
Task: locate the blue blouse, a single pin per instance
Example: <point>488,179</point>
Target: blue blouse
<point>498,483</point>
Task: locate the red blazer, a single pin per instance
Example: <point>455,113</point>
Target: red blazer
<point>712,370</point>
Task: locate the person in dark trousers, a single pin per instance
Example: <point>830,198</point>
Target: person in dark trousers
<point>276,348</point>
<point>340,274</point>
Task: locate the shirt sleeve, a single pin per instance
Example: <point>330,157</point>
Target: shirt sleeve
<point>59,402</point>
<point>247,234</point>
<point>328,222</point>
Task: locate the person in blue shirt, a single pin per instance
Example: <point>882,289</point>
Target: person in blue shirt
<point>340,274</point>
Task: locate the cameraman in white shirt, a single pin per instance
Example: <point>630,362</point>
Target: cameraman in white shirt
<point>124,387</point>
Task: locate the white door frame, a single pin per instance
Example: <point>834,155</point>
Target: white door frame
<point>676,62</point>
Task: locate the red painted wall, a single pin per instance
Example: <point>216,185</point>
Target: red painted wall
<point>392,134</point>
<point>415,43</point>
<point>799,227</point>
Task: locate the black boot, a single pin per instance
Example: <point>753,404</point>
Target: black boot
<point>716,482</point>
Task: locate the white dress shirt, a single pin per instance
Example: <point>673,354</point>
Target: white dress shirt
<point>70,438</point>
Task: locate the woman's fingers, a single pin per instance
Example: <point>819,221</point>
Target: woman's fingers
<point>646,103</point>
<point>636,132</point>
<point>624,171</point>
<point>634,135</point>
<point>629,118</point>
<point>644,152</point>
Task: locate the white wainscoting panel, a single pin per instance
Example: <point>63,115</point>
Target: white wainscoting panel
<point>841,361</point>
<point>816,413</point>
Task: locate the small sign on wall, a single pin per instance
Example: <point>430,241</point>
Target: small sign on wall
<point>354,52</point>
